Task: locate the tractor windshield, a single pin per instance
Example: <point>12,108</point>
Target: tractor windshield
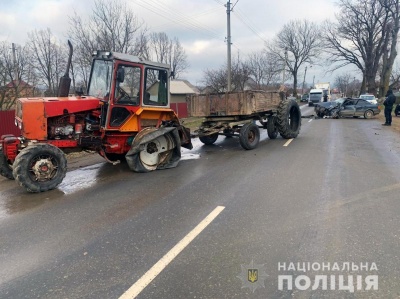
<point>100,79</point>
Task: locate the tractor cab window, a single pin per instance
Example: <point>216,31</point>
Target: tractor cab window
<point>128,85</point>
<point>156,87</point>
<point>100,78</point>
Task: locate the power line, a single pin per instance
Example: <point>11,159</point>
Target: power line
<point>196,15</point>
<point>219,2</point>
<point>242,18</point>
<point>177,18</point>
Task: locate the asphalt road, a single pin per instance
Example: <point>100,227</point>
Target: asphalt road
<point>329,197</point>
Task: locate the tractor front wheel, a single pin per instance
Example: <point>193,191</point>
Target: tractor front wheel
<point>288,119</point>
<point>40,167</point>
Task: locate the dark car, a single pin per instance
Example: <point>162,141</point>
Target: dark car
<point>304,98</point>
<point>347,107</point>
<point>397,110</point>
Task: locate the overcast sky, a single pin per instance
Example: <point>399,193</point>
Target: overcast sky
<point>200,25</point>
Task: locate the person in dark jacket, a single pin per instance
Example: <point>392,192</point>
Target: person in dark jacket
<point>388,103</point>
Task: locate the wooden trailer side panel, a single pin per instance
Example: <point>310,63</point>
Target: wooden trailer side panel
<point>233,103</point>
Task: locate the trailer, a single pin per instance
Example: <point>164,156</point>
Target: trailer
<point>243,114</point>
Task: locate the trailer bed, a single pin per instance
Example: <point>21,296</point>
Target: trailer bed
<point>248,102</point>
<point>242,114</point>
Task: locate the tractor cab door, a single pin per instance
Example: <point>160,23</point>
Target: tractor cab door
<point>126,94</point>
<point>156,87</point>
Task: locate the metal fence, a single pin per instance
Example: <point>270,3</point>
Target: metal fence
<point>7,125</point>
<point>180,108</point>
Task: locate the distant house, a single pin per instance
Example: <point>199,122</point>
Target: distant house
<point>179,90</point>
<point>13,90</point>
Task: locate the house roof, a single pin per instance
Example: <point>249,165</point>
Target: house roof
<point>19,83</point>
<point>182,87</point>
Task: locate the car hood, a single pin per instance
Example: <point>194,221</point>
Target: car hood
<point>327,104</point>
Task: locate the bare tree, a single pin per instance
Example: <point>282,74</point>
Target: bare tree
<point>216,79</point>
<point>357,38</point>
<point>160,45</point>
<point>395,76</point>
<point>169,51</point>
<point>112,26</point>
<point>342,82</point>
<point>297,43</point>
<point>178,58</point>
<point>17,78</point>
<point>264,69</point>
<point>392,9</point>
<point>47,58</point>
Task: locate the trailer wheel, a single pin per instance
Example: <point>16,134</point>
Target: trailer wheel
<point>249,136</point>
<point>6,169</point>
<point>272,129</point>
<point>288,119</point>
<point>40,167</point>
<point>209,139</point>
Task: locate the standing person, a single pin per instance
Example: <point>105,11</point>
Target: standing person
<point>388,103</point>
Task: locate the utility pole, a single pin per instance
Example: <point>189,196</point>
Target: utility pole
<point>304,79</point>
<point>228,40</point>
<point>15,63</point>
<point>284,67</point>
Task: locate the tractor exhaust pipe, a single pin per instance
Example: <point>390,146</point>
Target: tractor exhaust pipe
<point>65,81</point>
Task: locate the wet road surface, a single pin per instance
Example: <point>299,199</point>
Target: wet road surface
<point>331,195</point>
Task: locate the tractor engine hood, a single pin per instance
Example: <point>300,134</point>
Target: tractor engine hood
<point>54,106</point>
<point>31,113</point>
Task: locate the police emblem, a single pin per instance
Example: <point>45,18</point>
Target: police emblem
<point>252,276</point>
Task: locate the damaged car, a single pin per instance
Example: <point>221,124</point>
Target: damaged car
<point>347,107</point>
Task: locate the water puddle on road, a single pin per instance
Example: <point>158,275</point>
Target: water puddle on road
<point>189,156</point>
<point>80,179</point>
<point>15,199</point>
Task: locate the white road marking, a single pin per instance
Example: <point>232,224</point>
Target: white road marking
<point>310,120</point>
<point>148,277</point>
<point>288,142</point>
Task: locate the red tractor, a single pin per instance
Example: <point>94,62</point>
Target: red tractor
<point>125,115</point>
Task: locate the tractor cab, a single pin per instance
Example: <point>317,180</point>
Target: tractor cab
<point>127,85</point>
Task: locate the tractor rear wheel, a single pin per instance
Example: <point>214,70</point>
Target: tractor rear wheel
<point>40,167</point>
<point>154,149</point>
<point>288,119</point>
<point>249,136</point>
<point>6,169</point>
<point>156,152</point>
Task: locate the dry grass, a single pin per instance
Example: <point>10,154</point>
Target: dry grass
<point>395,120</point>
<point>192,123</point>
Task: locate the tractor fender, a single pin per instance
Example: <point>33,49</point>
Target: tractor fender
<point>147,135</point>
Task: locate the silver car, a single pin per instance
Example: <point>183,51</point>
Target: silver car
<point>370,98</point>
